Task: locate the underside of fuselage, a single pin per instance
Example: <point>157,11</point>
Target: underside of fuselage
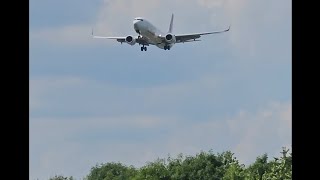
<point>146,30</point>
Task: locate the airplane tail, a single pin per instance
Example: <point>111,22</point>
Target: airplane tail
<point>171,24</point>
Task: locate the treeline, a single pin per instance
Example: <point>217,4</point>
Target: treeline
<point>204,165</point>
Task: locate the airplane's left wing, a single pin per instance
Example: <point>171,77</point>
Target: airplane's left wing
<point>192,37</point>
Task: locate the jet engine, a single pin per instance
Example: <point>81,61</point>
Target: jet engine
<point>170,38</point>
<point>130,40</point>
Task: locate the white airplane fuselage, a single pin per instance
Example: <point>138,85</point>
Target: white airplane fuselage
<point>149,31</point>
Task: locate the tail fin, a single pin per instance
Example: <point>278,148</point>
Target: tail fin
<point>171,24</point>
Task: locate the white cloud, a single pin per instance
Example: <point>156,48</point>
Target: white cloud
<point>40,88</point>
<point>211,3</point>
<point>262,132</point>
<point>73,145</point>
<point>67,35</point>
<point>60,138</point>
<point>74,94</point>
<point>55,140</point>
<point>255,25</point>
<point>159,96</point>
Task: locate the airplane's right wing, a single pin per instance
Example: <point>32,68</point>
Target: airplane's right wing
<point>119,39</point>
<point>141,40</point>
<point>192,37</point>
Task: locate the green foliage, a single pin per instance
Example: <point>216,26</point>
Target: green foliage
<point>205,165</point>
<point>115,171</point>
<point>60,177</point>
<point>153,171</point>
<point>280,168</point>
<point>277,169</point>
<point>202,166</point>
<point>233,170</point>
<point>258,168</point>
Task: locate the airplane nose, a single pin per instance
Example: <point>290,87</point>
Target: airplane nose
<point>135,24</point>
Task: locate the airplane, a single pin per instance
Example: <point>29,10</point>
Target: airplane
<point>150,35</point>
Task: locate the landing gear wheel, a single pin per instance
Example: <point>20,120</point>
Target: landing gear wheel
<point>143,48</point>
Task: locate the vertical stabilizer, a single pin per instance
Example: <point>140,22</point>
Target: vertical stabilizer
<point>171,24</point>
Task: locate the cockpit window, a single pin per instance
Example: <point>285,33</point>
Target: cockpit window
<point>139,19</point>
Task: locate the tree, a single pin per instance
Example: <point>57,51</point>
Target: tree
<point>258,168</point>
<point>154,171</point>
<point>60,177</point>
<point>202,166</point>
<point>115,171</point>
<point>233,170</point>
<point>280,168</point>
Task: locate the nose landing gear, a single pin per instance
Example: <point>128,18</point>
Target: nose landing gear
<point>143,48</point>
<point>166,47</point>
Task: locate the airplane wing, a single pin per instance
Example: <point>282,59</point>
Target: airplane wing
<point>119,39</point>
<point>142,40</point>
<point>181,38</point>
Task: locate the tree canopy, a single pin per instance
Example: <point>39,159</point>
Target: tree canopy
<point>202,166</point>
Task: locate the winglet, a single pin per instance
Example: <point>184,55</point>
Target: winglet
<point>92,32</point>
<point>171,24</point>
<point>228,28</point>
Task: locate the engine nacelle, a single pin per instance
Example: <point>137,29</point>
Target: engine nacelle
<point>170,38</point>
<point>130,40</point>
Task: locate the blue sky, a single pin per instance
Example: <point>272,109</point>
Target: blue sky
<point>95,101</point>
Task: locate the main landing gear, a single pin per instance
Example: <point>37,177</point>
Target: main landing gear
<point>166,47</point>
<point>143,48</point>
